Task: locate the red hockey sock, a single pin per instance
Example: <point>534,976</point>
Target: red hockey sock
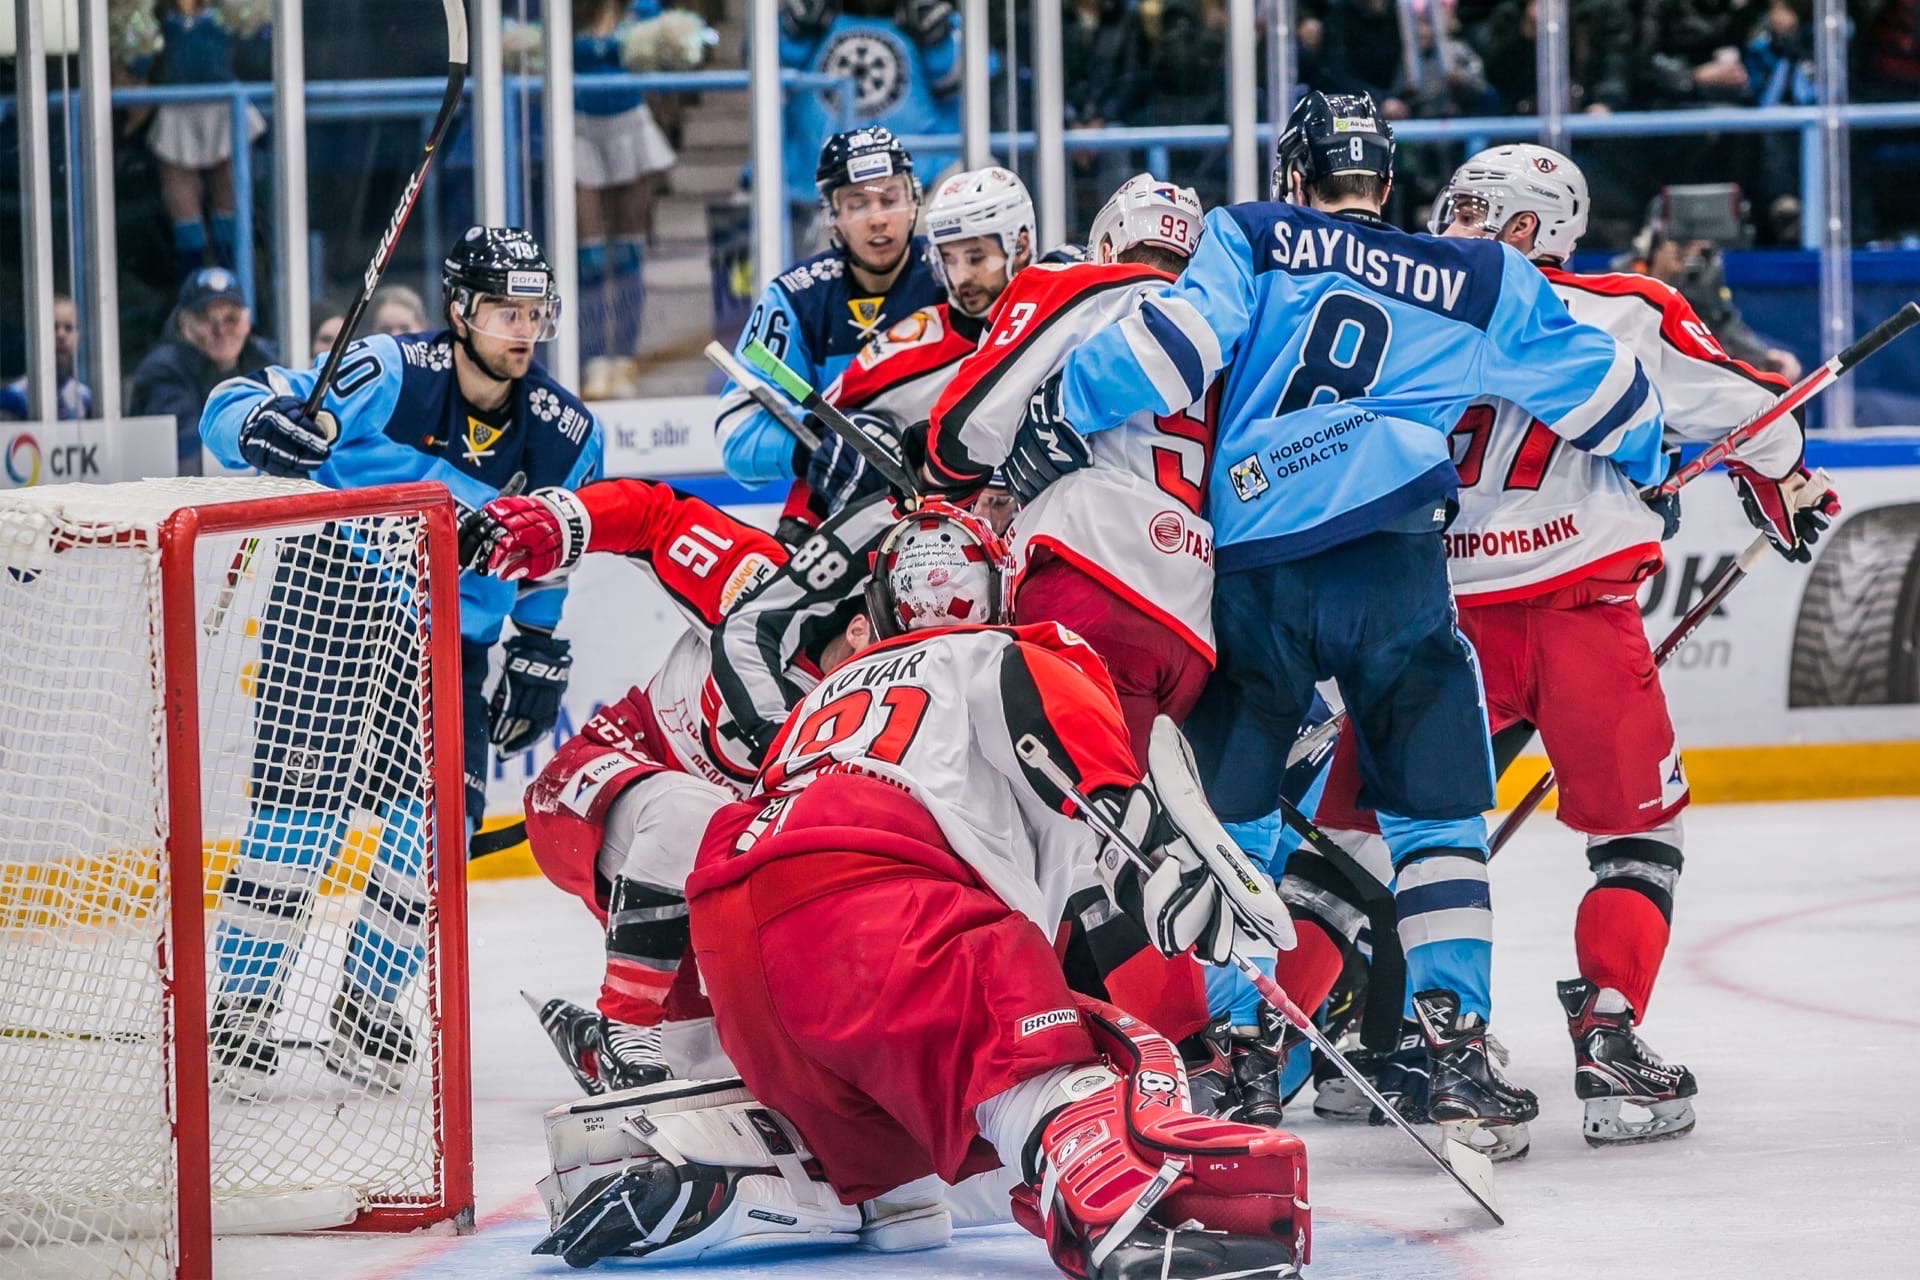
<point>1308,972</point>
<point>1619,938</point>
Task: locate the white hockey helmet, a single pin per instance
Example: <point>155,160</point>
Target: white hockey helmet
<point>982,202</point>
<point>1522,177</point>
<point>1146,210</point>
<point>939,566</point>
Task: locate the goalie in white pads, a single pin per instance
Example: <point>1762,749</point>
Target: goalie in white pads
<point>934,1032</point>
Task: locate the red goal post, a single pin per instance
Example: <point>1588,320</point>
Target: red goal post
<point>289,656</point>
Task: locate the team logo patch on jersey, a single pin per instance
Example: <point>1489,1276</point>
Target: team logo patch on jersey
<point>591,778</point>
<point>866,314</point>
<point>481,437</point>
<point>1168,531</point>
<point>1052,1018</point>
<point>748,574</point>
<point>1249,481</point>
<point>544,403</point>
<point>880,69</point>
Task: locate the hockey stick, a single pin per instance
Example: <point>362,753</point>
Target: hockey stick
<point>884,460</point>
<point>498,840</point>
<point>55,1035</point>
<point>1795,396</point>
<point>1716,592</point>
<point>1470,1168</point>
<point>763,395</point>
<point>382,255</point>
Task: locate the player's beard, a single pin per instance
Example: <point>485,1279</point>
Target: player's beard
<point>480,362</point>
<point>905,243</point>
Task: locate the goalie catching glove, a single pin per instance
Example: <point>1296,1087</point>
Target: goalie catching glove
<point>526,536</point>
<point>1203,891</point>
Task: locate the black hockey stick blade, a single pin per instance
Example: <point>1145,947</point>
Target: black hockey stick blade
<point>456,13</point>
<point>498,840</point>
<point>884,460</point>
<point>763,395</point>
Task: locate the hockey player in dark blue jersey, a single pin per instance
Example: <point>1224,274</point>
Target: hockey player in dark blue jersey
<point>816,315</point>
<point>466,406</point>
<point>1348,350</point>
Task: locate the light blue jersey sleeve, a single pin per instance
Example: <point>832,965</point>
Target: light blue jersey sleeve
<point>361,397</point>
<point>754,447</point>
<point>1167,353</point>
<point>1586,386</point>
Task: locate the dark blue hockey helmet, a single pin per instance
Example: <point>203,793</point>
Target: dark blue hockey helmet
<point>857,156</point>
<point>1333,133</point>
<point>504,263</point>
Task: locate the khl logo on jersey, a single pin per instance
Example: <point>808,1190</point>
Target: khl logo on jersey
<point>481,437</point>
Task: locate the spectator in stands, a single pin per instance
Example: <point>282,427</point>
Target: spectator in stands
<point>397,310</point>
<point>72,398</point>
<point>1182,83</point>
<point>193,141</point>
<point>1779,62</point>
<point>1892,67</point>
<point>1599,59</point>
<point>1689,51</point>
<point>209,339</point>
<point>1102,56</point>
<point>1364,53</point>
<point>324,319</point>
<point>1453,80</point>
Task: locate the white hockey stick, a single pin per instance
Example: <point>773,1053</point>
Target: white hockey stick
<point>1470,1168</point>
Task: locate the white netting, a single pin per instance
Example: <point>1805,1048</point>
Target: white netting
<point>318,863</point>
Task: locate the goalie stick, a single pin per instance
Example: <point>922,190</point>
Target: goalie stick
<point>456,14</point>
<point>1470,1168</point>
<point>763,395</point>
<point>1716,592</point>
<point>884,460</point>
<point>1795,396</point>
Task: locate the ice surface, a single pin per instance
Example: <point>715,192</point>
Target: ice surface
<point>1789,991</point>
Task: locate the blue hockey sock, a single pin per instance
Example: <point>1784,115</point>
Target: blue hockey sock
<point>627,294</point>
<point>388,942</point>
<point>226,229</point>
<point>189,247</point>
<point>1445,907</point>
<point>1229,993</point>
<point>595,340</point>
<point>267,895</point>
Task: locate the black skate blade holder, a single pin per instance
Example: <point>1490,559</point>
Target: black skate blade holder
<point>1471,1169</point>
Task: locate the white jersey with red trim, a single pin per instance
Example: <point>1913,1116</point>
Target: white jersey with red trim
<point>1537,514</point>
<point>937,713</point>
<point>1133,519</point>
<point>903,371</point>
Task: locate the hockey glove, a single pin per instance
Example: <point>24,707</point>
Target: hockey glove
<point>281,440</point>
<point>926,22</point>
<point>527,700</point>
<point>1775,508</point>
<point>836,472</point>
<point>526,536</point>
<point>805,19</point>
<point>1046,446</point>
<point>1666,506</point>
<point>1180,902</point>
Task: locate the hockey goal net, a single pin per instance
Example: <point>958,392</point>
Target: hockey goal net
<point>232,936</point>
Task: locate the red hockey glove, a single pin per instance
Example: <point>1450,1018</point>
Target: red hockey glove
<point>526,536</point>
<point>1771,508</point>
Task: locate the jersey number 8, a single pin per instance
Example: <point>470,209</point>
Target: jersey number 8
<point>1345,346</point>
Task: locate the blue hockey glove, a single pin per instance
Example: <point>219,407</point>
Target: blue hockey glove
<point>281,440</point>
<point>1046,446</point>
<point>837,473</point>
<point>527,700</point>
<point>1666,507</point>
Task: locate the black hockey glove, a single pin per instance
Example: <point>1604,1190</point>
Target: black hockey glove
<point>1046,446</point>
<point>926,22</point>
<point>805,19</point>
<point>1666,506</point>
<point>526,702</point>
<point>913,455</point>
<point>281,440</point>
<point>837,473</point>
<point>1770,508</point>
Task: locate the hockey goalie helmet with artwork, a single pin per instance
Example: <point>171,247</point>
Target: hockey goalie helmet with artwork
<point>940,566</point>
<point>497,281</point>
<point>1146,210</point>
<point>989,205</point>
<point>1330,134</point>
<point>1498,184</point>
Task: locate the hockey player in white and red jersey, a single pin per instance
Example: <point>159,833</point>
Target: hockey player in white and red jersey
<point>1546,556</point>
<point>614,818</point>
<point>873,928</point>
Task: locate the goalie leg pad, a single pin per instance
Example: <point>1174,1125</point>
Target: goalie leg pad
<point>683,1170</point>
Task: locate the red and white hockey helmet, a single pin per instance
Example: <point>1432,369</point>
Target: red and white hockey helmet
<point>938,567</point>
<point>1522,177</point>
<point>1146,210</point>
<point>989,202</point>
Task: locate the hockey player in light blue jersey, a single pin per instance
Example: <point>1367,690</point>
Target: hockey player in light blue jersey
<point>1348,350</point>
<point>334,730</point>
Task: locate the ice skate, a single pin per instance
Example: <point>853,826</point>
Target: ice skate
<point>575,1032</point>
<point>1256,1053</point>
<point>1402,1077</point>
<point>372,1044</point>
<point>241,1044</point>
<point>1613,1068</point>
<point>1335,1097</point>
<point>628,1056</point>
<point>1467,1094</point>
<point>1210,1085</point>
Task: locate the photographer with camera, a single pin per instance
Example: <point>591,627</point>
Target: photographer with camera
<point>1687,229</point>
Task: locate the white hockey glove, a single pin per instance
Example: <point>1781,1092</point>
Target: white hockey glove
<point>1203,892</point>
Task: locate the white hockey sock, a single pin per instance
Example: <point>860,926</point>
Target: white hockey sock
<point>1009,1118</point>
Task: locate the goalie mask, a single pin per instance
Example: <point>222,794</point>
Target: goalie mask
<point>1146,210</point>
<point>1496,185</point>
<point>938,567</point>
